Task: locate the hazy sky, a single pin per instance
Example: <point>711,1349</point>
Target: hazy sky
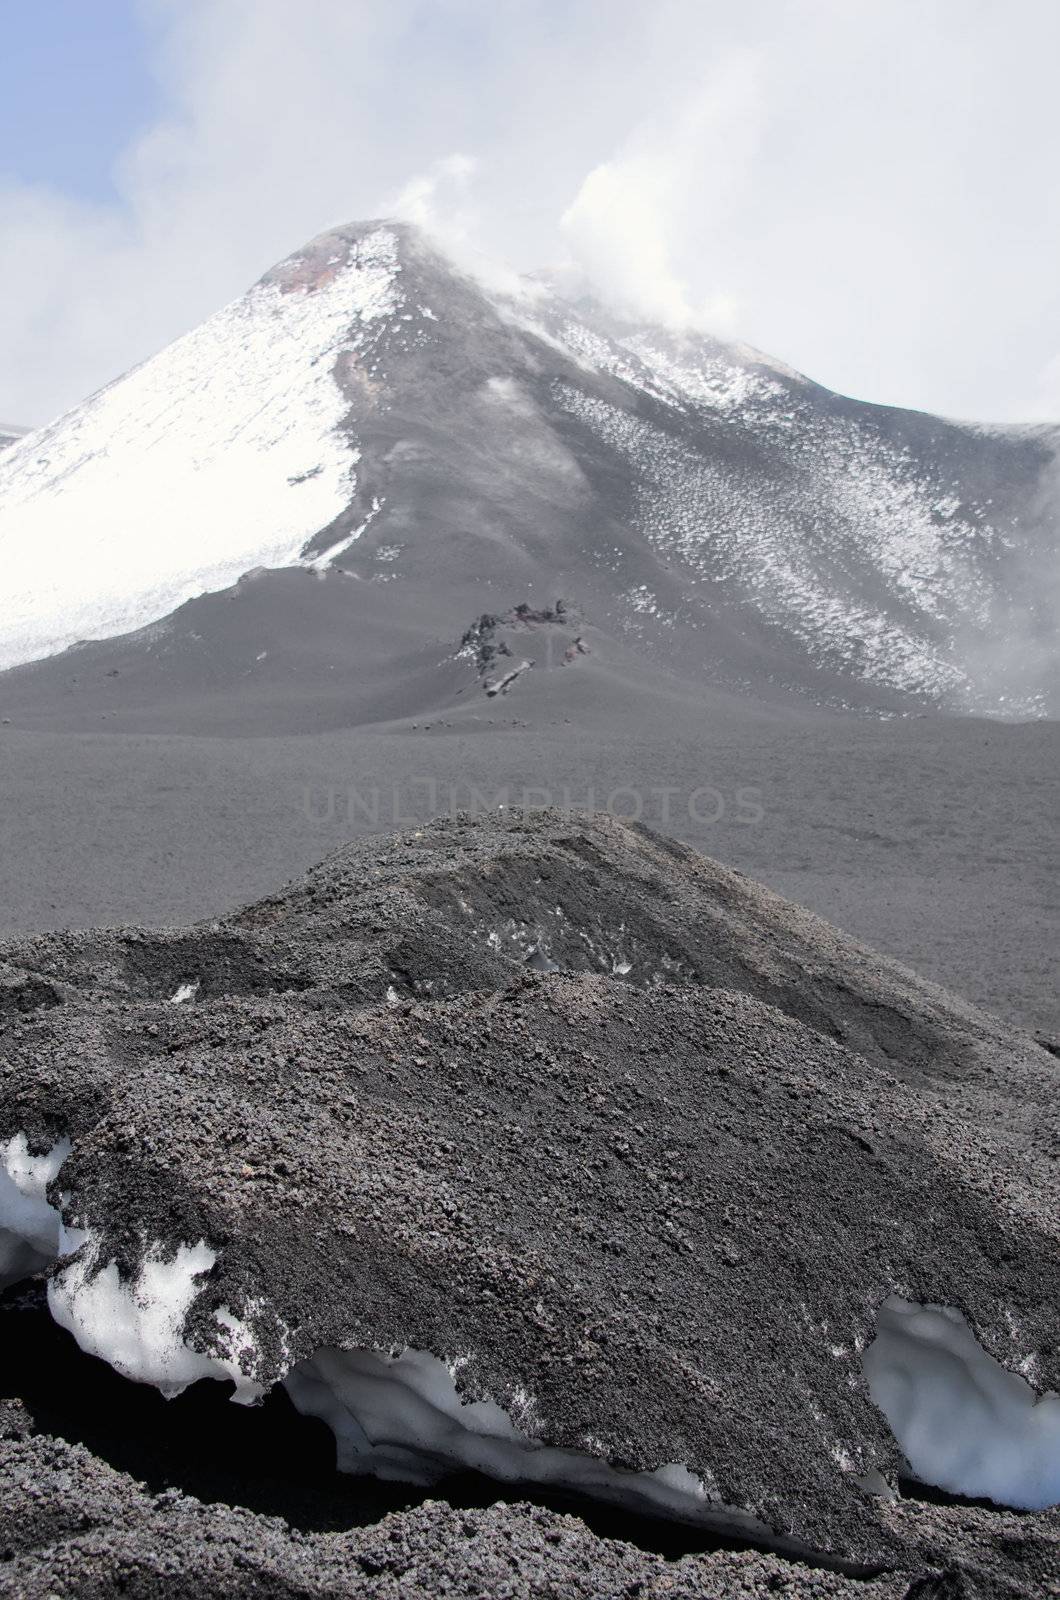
<point>868,189</point>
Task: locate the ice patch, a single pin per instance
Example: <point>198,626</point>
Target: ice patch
<point>138,1327</point>
<point>400,1416</point>
<point>29,1226</point>
<point>187,991</point>
<point>964,1422</point>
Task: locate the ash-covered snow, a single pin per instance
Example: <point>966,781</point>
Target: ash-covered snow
<point>964,1422</point>
<point>553,1180</point>
<point>319,564</point>
<point>138,1327</point>
<point>850,551</point>
<point>223,453</point>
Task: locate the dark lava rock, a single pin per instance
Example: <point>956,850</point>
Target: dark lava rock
<point>648,1200</point>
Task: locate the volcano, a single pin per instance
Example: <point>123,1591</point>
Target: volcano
<point>306,502</point>
<point>387,538</point>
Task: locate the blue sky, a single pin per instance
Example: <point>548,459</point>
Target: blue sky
<point>76,86</point>
<point>865,189</point>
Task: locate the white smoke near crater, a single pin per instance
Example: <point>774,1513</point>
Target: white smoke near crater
<point>443,202</point>
<point>1016,656</point>
<point>883,231</point>
<point>634,217</point>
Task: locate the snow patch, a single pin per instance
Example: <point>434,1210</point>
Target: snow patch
<point>29,1226</point>
<point>221,454</point>
<point>964,1422</point>
<point>703,378</point>
<point>689,374</point>
<point>138,1327</point>
<point>853,519</point>
<point>400,1416</point>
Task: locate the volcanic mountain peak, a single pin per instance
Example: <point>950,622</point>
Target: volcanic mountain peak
<point>368,409</point>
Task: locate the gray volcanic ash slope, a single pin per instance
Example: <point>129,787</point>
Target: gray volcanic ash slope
<point>556,1151</point>
<point>394,449</point>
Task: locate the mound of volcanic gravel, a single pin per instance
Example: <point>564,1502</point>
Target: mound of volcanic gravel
<point>627,1146</point>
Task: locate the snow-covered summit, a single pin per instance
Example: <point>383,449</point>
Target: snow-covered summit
<point>369,408</point>
<point>223,453</point>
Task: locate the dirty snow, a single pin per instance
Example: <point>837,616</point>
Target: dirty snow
<point>29,1226</point>
<point>400,1416</point>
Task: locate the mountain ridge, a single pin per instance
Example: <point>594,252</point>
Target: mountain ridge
<point>720,514</point>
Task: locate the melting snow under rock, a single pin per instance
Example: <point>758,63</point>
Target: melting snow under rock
<point>964,1421</point>
<point>401,1417</point>
<point>29,1226</point>
<point>138,1327</point>
<point>447,1172</point>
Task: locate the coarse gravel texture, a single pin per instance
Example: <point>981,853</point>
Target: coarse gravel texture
<point>640,1144</point>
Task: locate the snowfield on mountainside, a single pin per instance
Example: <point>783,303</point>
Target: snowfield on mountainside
<point>367,379</point>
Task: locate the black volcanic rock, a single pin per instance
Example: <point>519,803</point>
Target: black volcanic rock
<point>636,1147</point>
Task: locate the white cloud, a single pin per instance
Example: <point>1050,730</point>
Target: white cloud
<point>669,185</point>
<point>866,191</point>
<point>435,199</point>
<point>441,201</point>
